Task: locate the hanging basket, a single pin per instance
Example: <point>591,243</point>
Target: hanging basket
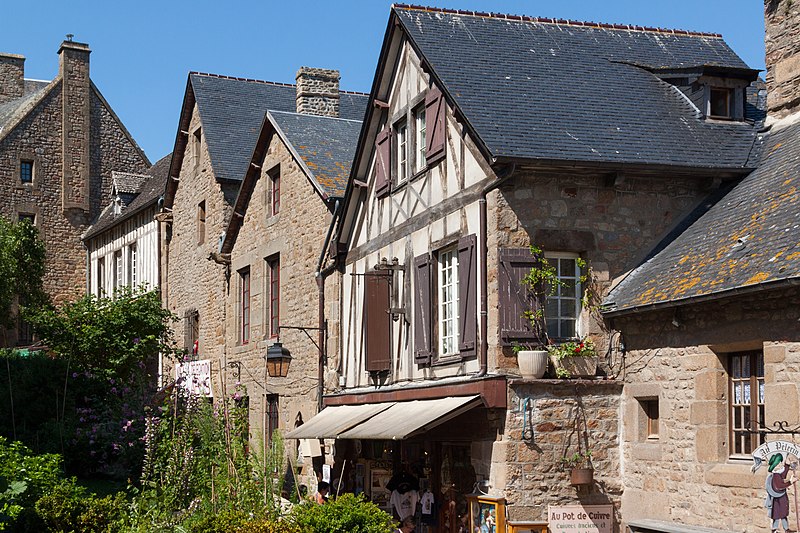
<point>581,476</point>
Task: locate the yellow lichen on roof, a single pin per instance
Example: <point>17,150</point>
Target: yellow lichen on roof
<point>757,278</point>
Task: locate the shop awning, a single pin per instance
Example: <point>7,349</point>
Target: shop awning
<point>404,419</point>
<point>332,421</point>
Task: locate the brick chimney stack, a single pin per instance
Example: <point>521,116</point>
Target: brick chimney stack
<point>76,98</point>
<point>12,74</point>
<point>782,43</point>
<point>318,92</point>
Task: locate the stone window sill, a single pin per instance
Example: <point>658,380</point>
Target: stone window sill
<point>646,451</point>
<point>734,474</point>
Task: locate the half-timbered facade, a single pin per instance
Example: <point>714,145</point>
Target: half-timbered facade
<point>486,134</point>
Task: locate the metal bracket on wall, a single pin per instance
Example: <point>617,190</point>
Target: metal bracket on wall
<point>781,427</point>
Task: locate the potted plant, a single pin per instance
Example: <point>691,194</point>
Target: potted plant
<point>574,359</point>
<point>581,471</point>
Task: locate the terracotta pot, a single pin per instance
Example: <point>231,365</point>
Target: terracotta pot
<point>532,363</point>
<point>581,476</point>
<point>578,367</point>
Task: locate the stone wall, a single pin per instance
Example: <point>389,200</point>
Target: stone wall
<point>39,138</point>
<point>782,42</point>
<point>194,281</point>
<point>295,235</point>
<point>12,74</point>
<point>563,417</point>
<point>318,91</point>
<point>612,223</point>
<point>688,473</point>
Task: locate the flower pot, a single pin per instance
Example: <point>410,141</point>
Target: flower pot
<point>576,366</point>
<point>581,476</point>
<point>532,363</point>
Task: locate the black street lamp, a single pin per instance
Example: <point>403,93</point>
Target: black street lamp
<point>278,359</point>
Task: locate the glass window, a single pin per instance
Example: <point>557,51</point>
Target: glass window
<point>563,307</point>
<point>275,191</point>
<point>720,102</point>
<point>101,276</point>
<point>26,171</point>
<point>118,269</point>
<point>419,138</point>
<point>201,222</point>
<point>244,305</point>
<point>274,269</point>
<point>447,279</point>
<point>401,156</point>
<point>132,271</point>
<point>746,399</point>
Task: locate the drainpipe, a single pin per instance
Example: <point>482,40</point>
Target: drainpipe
<point>502,176</point>
<point>320,276</point>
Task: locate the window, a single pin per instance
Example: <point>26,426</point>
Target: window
<point>101,276</point>
<point>27,217</point>
<point>419,138</point>
<point>445,303</point>
<point>274,302</point>
<point>197,143</point>
<point>720,102</point>
<point>275,190</point>
<point>132,272</point>
<point>746,398</point>
<point>649,428</point>
<point>401,154</point>
<point>244,305</point>
<point>272,415</point>
<point>118,269</point>
<point>201,222</point>
<point>563,307</point>
<point>24,329</point>
<point>191,335</point>
<point>447,292</point>
<point>26,171</point>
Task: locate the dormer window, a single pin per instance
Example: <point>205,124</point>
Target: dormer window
<point>720,102</point>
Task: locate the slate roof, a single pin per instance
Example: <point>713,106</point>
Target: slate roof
<point>151,187</point>
<point>9,112</point>
<point>557,90</point>
<point>325,145</point>
<point>750,239</point>
<point>233,109</point>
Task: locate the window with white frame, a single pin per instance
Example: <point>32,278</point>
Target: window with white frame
<point>132,270</point>
<point>118,269</point>
<point>101,276</point>
<point>401,155</point>
<point>563,307</point>
<point>447,281</point>
<point>419,138</point>
<point>746,401</point>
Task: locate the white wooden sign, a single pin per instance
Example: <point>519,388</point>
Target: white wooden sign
<point>195,376</point>
<point>580,518</point>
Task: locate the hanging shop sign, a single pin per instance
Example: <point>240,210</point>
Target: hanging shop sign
<point>580,518</point>
<point>764,453</point>
<point>195,376</point>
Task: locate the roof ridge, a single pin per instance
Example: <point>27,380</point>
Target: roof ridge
<point>278,111</point>
<point>265,82</point>
<point>546,20</point>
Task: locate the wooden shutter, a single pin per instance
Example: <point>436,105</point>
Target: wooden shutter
<point>435,125</point>
<point>515,298</point>
<point>383,161</point>
<point>467,294</point>
<point>422,309</point>
<point>377,322</point>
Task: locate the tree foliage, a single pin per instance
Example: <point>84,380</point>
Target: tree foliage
<point>22,264</point>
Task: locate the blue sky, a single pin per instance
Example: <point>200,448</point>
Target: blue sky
<point>142,50</point>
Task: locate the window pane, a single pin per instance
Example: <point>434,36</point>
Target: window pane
<point>567,290</point>
<point>448,301</point>
<point>568,329</point>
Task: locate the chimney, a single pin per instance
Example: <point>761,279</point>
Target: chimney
<point>782,43</point>
<point>12,73</point>
<point>75,100</point>
<point>318,92</point>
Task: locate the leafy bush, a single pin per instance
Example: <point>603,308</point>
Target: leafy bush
<point>346,514</point>
<point>68,508</point>
<point>268,526</point>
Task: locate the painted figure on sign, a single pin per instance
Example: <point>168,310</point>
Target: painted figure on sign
<point>780,478</point>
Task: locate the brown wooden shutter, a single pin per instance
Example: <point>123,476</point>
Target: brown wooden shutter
<point>515,298</point>
<point>435,125</point>
<point>383,161</point>
<point>422,309</point>
<point>467,295</point>
<point>377,322</point>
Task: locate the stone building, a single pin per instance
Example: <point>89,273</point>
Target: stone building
<point>488,133</point>
<point>59,143</point>
<point>712,334</point>
<point>123,243</point>
<point>254,178</point>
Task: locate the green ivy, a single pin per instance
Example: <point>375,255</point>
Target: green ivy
<point>22,266</point>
